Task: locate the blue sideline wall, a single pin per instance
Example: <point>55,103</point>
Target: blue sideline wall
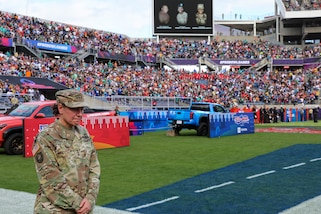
<point>231,124</point>
<point>220,124</point>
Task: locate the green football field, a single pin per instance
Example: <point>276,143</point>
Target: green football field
<point>154,160</point>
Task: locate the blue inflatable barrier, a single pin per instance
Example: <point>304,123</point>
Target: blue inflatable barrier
<point>147,121</point>
<point>224,124</point>
<point>231,124</point>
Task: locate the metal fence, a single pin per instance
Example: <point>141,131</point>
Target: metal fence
<point>5,100</point>
<point>145,103</point>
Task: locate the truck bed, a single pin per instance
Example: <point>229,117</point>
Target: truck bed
<point>179,114</point>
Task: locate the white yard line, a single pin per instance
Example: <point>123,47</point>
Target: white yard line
<point>261,174</point>
<point>153,203</point>
<point>214,187</point>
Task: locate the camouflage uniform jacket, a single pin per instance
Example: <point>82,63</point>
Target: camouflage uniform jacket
<point>67,167</point>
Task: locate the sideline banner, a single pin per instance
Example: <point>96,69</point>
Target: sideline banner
<point>227,124</point>
<point>106,132</point>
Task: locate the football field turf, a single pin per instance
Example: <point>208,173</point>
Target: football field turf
<point>269,183</point>
<point>256,173</point>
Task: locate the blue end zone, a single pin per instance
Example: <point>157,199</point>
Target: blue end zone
<point>269,183</point>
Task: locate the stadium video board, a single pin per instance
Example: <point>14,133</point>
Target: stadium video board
<point>183,17</point>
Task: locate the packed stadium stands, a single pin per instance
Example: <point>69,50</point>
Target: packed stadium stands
<point>105,64</point>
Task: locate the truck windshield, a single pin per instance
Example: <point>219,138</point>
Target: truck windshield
<point>23,110</point>
<point>200,107</point>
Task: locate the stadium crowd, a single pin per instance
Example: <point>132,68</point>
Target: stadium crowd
<point>21,28</point>
<point>277,86</point>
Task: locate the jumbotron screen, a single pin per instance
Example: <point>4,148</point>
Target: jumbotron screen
<point>183,17</point>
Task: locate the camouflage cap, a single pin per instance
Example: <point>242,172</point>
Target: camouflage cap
<point>71,98</point>
<point>200,6</point>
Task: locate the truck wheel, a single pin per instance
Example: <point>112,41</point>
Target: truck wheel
<point>177,130</point>
<point>202,130</point>
<point>14,144</point>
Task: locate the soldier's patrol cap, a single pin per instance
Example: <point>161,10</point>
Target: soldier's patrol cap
<point>200,6</point>
<point>70,98</point>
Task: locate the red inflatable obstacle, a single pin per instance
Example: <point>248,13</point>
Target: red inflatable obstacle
<point>108,132</point>
<point>31,127</point>
<point>105,131</point>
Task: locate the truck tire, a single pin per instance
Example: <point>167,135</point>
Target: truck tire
<point>13,145</point>
<point>177,130</point>
<point>202,130</point>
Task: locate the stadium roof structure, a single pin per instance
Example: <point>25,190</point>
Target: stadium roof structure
<point>287,26</point>
<point>249,25</point>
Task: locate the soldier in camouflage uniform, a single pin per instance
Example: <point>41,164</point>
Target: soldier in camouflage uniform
<point>66,160</point>
<point>182,16</point>
<point>163,15</point>
<point>201,17</point>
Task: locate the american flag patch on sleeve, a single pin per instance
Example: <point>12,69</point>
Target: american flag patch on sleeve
<point>35,148</point>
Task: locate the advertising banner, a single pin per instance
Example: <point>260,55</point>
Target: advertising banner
<point>291,115</point>
<point>231,124</point>
<point>242,62</point>
<point>51,46</point>
<point>32,82</point>
<point>7,42</point>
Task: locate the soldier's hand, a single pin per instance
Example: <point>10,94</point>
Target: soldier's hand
<point>85,207</point>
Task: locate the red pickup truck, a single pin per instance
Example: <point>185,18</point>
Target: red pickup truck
<point>11,124</point>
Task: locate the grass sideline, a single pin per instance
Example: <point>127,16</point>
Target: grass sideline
<point>154,160</point>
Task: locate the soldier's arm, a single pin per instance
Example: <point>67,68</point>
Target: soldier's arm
<point>94,178</point>
<point>52,181</point>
